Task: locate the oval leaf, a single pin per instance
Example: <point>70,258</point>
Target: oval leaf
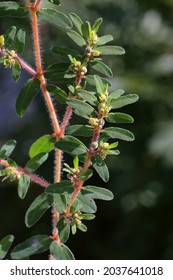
<point>26,95</point>
<point>88,204</point>
<point>5,245</point>
<point>79,130</point>
<point>110,50</point>
<point>60,202</point>
<point>100,193</point>
<point>102,68</point>
<point>88,96</point>
<point>104,39</point>
<point>58,93</point>
<point>37,208</point>
<point>61,251</point>
<point>34,245</point>
<point>123,101</point>
<point>77,22</point>
<point>7,148</point>
<point>12,9</point>
<point>23,185</point>
<point>119,118</point>
<point>16,70</point>
<point>65,52</point>
<point>80,108</point>
<point>71,145</point>
<point>118,133</point>
<point>44,144</point>
<point>77,38</point>
<point>9,36</point>
<point>101,168</point>
<point>64,187</point>
<point>55,17</point>
<point>35,162</point>
<point>20,40</point>
<point>114,95</point>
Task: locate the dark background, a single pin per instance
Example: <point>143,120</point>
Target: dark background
<point>138,223</point>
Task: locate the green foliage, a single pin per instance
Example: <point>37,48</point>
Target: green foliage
<point>5,245</point>
<point>75,83</point>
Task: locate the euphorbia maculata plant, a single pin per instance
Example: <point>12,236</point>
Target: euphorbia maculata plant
<point>86,94</point>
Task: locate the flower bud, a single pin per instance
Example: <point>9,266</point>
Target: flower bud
<point>93,121</point>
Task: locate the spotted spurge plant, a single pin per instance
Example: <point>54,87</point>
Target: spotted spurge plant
<point>86,94</point>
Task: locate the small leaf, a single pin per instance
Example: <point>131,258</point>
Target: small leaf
<point>20,40</point>
<point>91,80</point>
<point>5,245</point>
<point>114,95</point>
<point>75,206</point>
<point>64,230</point>
<point>60,202</point>
<point>110,50</point>
<point>101,168</point>
<point>77,22</point>
<point>12,163</point>
<point>61,251</point>
<point>63,77</point>
<point>77,38</point>
<point>26,95</point>
<point>102,68</point>
<point>88,96</point>
<point>12,9</point>
<point>16,70</point>
<point>86,175</point>
<point>64,187</point>
<point>37,208</point>
<point>118,133</point>
<point>123,101</point>
<point>44,144</point>
<point>100,193</point>
<point>7,148</point>
<point>23,185</point>
<point>55,68</point>
<point>55,2</point>
<point>80,108</point>
<point>88,204</point>
<point>119,118</point>
<point>55,17</point>
<point>79,130</point>
<point>65,52</point>
<point>82,227</point>
<point>35,162</point>
<point>58,93</point>
<point>71,145</point>
<point>97,24</point>
<point>9,36</point>
<point>99,84</point>
<point>104,39</point>
<point>3,172</point>
<point>87,216</point>
<point>34,245</point>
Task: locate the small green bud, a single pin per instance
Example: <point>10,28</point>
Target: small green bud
<point>2,41</point>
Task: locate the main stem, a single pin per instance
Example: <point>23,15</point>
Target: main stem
<point>51,110</point>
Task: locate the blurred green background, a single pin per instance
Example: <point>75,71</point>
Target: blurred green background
<point>138,223</point>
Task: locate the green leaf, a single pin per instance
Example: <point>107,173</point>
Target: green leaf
<point>99,84</point>
<point>76,162</point>
<point>55,2</point>
<point>16,70</point>
<point>77,22</point>
<point>55,68</point>
<point>26,95</point>
<point>23,185</point>
<point>55,17</point>
<point>77,38</point>
<point>3,172</point>
<point>71,145</point>
<point>97,24</point>
<point>91,81</point>
<point>100,193</point>
<point>118,133</point>
<point>61,251</point>
<point>44,144</point>
<point>123,101</point>
<point>88,204</point>
<point>12,9</point>
<point>7,148</point>
<point>119,118</point>
<point>12,163</point>
<point>87,216</point>
<point>35,162</point>
<point>82,227</point>
<point>63,77</point>
<point>80,108</point>
<point>88,96</point>
<point>64,230</point>
<point>104,39</point>
<point>75,206</point>
<point>37,208</point>
<point>34,245</point>
<point>102,68</point>
<point>114,95</point>
<point>86,175</point>
<point>20,40</point>
<point>64,187</point>
<point>5,245</point>
<point>9,36</point>
<point>65,52</point>
<point>101,168</point>
<point>58,93</point>
<point>110,50</point>
<point>79,130</point>
<point>60,202</point>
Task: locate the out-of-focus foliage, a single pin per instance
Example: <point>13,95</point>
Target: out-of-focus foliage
<point>139,219</point>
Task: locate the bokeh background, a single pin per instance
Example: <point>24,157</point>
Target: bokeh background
<point>138,223</point>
